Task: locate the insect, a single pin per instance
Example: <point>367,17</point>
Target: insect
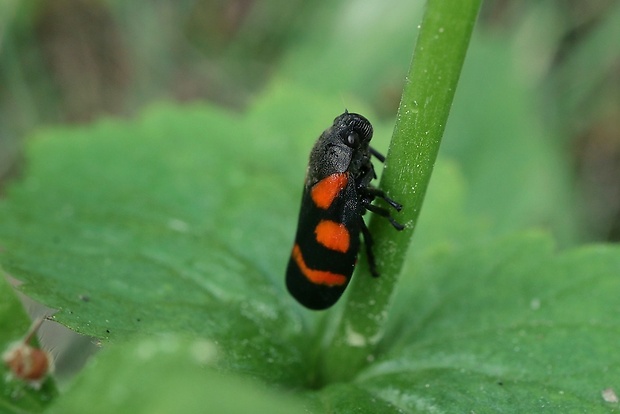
<point>337,193</point>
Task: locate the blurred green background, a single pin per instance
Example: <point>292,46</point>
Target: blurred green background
<point>73,61</point>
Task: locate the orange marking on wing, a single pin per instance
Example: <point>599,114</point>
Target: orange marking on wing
<point>319,277</point>
<point>325,191</point>
<point>332,235</point>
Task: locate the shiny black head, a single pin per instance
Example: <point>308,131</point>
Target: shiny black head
<point>343,147</point>
<point>354,130</point>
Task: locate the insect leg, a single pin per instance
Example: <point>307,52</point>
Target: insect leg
<point>368,242</point>
<point>377,154</point>
<point>375,192</point>
<point>384,213</point>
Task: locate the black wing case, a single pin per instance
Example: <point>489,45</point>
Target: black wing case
<point>326,243</point>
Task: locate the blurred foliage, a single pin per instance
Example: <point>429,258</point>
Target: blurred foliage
<point>75,60</point>
<point>533,140</point>
<point>165,238</point>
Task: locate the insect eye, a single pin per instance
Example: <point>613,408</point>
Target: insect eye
<point>352,139</point>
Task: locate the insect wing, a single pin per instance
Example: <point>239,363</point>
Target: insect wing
<point>326,244</point>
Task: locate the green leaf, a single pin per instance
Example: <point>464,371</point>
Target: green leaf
<point>17,396</point>
<point>507,326</point>
<point>518,175</point>
<point>167,374</point>
<point>181,221</point>
<point>156,222</point>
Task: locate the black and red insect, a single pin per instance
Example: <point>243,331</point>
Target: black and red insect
<point>337,193</point>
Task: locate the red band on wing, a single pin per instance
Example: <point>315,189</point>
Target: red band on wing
<point>332,235</point>
<point>325,191</point>
<point>319,277</point>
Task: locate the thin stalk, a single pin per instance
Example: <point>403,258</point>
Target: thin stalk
<point>425,104</point>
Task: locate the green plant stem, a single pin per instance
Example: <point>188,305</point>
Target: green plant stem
<point>427,96</point>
